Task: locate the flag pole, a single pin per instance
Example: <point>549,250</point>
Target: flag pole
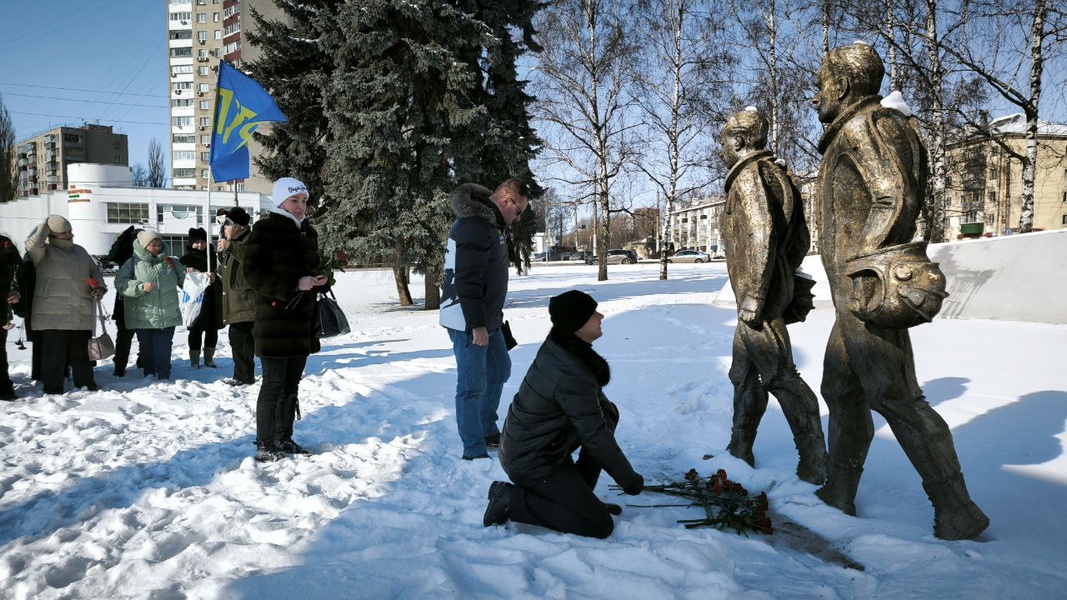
<point>207,214</point>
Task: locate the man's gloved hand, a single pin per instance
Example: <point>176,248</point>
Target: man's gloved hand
<point>635,486</point>
<point>98,292</point>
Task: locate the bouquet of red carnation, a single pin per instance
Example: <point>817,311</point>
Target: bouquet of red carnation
<point>726,504</point>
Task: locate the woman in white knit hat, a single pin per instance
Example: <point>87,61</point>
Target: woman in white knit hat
<point>281,256</point>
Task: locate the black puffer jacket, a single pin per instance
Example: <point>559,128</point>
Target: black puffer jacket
<point>277,255</point>
<point>559,407</point>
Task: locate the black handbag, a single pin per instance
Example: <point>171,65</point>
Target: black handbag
<point>332,320</point>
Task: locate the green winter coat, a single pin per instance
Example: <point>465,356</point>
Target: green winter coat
<point>157,309</point>
<point>238,298</point>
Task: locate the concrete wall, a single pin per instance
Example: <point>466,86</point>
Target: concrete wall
<point>1010,278</point>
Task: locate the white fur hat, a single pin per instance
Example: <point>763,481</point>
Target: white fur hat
<point>286,187</point>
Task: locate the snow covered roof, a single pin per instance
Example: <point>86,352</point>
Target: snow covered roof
<point>1016,123</point>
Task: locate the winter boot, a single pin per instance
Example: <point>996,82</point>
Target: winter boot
<point>194,359</point>
<point>956,516</point>
<point>209,358</point>
<point>842,481</point>
<point>499,504</point>
<point>268,452</point>
<point>741,444</point>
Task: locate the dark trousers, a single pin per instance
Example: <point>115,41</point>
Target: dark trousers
<point>123,339</point>
<point>60,348</point>
<point>7,387</point>
<point>277,403</point>
<point>243,347</point>
<point>564,501</point>
<point>199,333</point>
<point>155,347</point>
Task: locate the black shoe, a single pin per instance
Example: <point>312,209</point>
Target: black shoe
<point>119,372</point>
<point>8,395</point>
<point>268,453</point>
<point>476,457</point>
<point>499,504</point>
<point>492,441</point>
<point>613,509</point>
<point>290,447</point>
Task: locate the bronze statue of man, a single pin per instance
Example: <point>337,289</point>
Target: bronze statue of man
<point>870,188</point>
<point>766,238</point>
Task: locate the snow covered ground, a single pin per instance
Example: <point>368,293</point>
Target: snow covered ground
<point>148,490</point>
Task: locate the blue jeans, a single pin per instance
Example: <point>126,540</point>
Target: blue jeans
<point>481,374</point>
<point>154,347</point>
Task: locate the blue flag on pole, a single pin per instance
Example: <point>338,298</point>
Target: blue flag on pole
<point>240,106</point>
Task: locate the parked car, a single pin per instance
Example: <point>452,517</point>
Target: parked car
<point>581,255</point>
<point>616,257</point>
<point>689,256</point>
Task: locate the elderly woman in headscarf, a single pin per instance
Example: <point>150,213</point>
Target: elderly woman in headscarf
<point>69,282</point>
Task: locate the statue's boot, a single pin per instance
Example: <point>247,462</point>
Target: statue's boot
<point>842,481</point>
<point>741,441</point>
<point>956,516</point>
<point>812,465</point>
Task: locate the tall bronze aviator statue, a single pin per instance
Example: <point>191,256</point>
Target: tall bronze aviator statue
<point>870,188</point>
<point>766,238</point>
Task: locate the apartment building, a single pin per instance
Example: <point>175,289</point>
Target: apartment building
<point>695,225</point>
<point>201,33</point>
<point>43,159</point>
<point>985,180</point>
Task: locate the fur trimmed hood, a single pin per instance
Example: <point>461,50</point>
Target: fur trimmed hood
<point>472,200</point>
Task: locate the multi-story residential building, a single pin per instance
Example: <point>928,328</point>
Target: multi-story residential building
<point>200,34</point>
<point>695,225</point>
<point>43,159</point>
<point>985,180</point>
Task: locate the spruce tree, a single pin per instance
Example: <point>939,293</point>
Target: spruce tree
<point>293,67</point>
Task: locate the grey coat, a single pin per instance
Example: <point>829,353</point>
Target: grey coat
<point>61,299</point>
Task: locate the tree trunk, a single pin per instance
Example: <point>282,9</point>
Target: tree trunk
<point>936,200</point>
<point>403,279</point>
<point>1037,63</point>
<point>433,294</point>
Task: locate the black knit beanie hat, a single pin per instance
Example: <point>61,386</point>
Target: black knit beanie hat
<point>197,233</point>
<point>569,311</point>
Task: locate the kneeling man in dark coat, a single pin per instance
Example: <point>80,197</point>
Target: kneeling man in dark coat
<point>560,408</point>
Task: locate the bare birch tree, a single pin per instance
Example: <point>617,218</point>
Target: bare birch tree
<point>157,170</point>
<point>9,174</point>
<point>582,87</point>
<point>683,85</point>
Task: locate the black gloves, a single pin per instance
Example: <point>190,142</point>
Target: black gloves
<point>635,486</point>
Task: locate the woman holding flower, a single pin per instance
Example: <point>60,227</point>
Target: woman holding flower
<point>64,303</point>
<point>281,259</point>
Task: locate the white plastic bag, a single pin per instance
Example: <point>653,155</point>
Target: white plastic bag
<point>191,296</point>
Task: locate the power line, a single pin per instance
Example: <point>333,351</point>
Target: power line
<point>160,106</point>
<point>86,119</point>
<point>70,89</point>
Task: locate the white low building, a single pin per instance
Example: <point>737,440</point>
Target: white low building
<point>101,202</point>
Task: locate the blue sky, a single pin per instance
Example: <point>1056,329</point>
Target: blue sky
<point>65,62</point>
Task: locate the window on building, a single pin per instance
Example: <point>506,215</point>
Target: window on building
<point>203,88</point>
<point>204,173</point>
<point>233,28</point>
<point>181,121</point>
<point>201,2</point>
<point>184,155</point>
<point>122,213</point>
<point>215,17</point>
<point>218,34</point>
<point>205,105</point>
<point>205,121</point>
<point>231,11</point>
<point>181,102</point>
<point>72,138</point>
<point>202,54</point>
<point>181,34</point>
<point>182,85</point>
<point>1065,197</point>
<point>201,36</point>
<point>184,173</point>
<point>205,139</point>
<point>180,16</point>
<point>181,52</point>
<point>183,138</point>
<point>181,211</point>
<point>202,71</point>
<point>181,70</point>
<point>1064,220</point>
<point>205,156</point>
<point>201,17</point>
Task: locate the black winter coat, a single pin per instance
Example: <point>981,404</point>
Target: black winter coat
<point>277,255</point>
<point>559,407</point>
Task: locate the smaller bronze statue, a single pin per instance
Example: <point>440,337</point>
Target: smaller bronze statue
<point>870,188</point>
<point>766,238</point>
